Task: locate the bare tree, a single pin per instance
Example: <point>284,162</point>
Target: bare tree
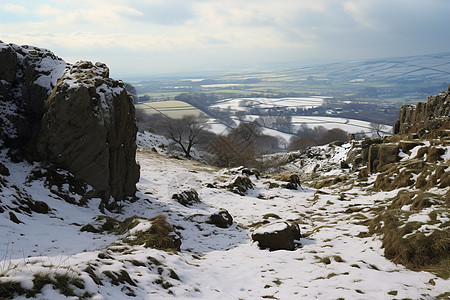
<point>378,128</point>
<point>333,135</point>
<point>132,90</point>
<point>283,123</point>
<point>299,143</point>
<point>186,132</point>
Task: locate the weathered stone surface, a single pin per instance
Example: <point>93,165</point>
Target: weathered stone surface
<point>277,236</point>
<point>89,129</point>
<point>423,116</point>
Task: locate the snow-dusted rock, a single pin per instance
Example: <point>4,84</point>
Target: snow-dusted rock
<point>187,197</point>
<point>89,129</point>
<point>221,219</point>
<point>277,236</point>
<point>27,77</point>
<point>241,185</point>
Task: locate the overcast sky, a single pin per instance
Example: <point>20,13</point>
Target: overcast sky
<point>156,36</point>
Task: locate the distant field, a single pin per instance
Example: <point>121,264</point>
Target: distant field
<point>170,108</point>
<point>348,125</point>
<point>160,95</point>
<point>263,103</point>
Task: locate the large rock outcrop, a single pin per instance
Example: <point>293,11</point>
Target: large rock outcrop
<point>72,116</point>
<point>89,129</point>
<point>424,116</point>
<point>27,77</point>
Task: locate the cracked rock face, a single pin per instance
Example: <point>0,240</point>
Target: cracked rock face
<point>89,129</point>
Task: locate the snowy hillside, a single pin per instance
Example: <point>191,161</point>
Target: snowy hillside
<point>76,251</point>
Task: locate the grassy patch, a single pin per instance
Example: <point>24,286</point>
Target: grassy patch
<point>11,289</point>
<point>331,275</point>
<point>393,293</point>
<point>277,281</point>
<point>64,283</point>
<point>271,215</point>
<point>325,260</point>
<point>159,236</point>
<point>404,244</point>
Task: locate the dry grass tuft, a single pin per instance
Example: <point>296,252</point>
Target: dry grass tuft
<point>417,200</point>
<point>404,244</point>
<point>161,235</point>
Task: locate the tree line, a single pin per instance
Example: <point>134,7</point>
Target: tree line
<point>239,146</point>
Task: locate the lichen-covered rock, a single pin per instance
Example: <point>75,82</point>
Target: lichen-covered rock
<point>89,129</point>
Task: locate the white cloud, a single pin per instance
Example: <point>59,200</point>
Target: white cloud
<point>232,30</point>
<point>13,8</point>
<point>360,12</point>
<point>48,11</point>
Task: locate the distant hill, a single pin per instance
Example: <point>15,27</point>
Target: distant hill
<point>395,80</point>
<point>434,67</point>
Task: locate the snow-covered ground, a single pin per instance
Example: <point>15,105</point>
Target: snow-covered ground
<point>214,263</point>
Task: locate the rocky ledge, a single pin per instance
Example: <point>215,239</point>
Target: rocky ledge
<point>424,116</point>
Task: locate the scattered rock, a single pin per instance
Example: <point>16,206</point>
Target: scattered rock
<point>277,236</point>
<point>221,219</point>
<point>187,198</point>
<point>241,185</point>
<point>294,182</point>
